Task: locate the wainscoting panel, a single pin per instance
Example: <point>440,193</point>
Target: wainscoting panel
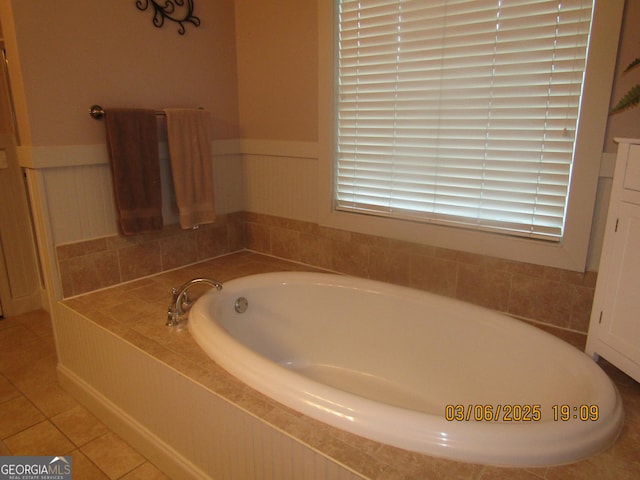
<point>79,193</point>
<point>187,430</point>
<point>281,186</point>
<point>80,201</point>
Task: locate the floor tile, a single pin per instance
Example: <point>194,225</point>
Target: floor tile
<point>146,471</point>
<point>51,399</point>
<point>14,337</point>
<point>4,450</point>
<point>30,375</point>
<point>17,415</point>
<point>494,473</point>
<point>7,390</point>
<point>41,439</point>
<point>39,323</point>
<point>602,467</point>
<point>112,455</point>
<point>79,425</point>
<point>85,469</point>
<point>14,342</point>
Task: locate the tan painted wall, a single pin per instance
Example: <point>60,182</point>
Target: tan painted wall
<point>626,124</point>
<point>277,44</point>
<point>68,55</point>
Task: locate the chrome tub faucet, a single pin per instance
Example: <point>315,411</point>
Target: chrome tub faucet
<point>180,302</point>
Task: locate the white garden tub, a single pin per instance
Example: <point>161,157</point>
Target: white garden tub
<point>410,369</point>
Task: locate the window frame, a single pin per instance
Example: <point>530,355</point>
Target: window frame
<point>570,253</point>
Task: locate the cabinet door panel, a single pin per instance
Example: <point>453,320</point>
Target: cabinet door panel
<point>632,173</point>
<point>621,311</point>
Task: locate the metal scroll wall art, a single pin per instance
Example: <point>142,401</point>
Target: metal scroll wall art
<point>177,11</point>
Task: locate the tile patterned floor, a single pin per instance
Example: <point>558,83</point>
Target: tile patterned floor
<point>37,417</point>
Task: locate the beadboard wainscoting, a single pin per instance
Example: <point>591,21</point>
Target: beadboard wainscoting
<point>183,427</point>
<point>76,187</point>
<point>185,415</point>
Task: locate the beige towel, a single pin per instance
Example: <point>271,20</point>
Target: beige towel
<point>132,140</point>
<point>189,139</point>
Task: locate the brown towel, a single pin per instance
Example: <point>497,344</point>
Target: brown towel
<point>132,139</point>
<point>189,139</point>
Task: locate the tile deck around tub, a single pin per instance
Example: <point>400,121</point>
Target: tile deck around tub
<point>137,311</point>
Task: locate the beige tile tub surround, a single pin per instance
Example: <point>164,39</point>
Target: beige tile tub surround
<point>103,262</point>
<point>543,294</point>
<point>134,314</point>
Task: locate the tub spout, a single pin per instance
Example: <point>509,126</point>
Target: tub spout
<point>180,300</point>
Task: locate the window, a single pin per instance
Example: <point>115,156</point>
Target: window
<point>460,112</point>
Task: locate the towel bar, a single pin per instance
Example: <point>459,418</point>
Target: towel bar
<point>97,112</point>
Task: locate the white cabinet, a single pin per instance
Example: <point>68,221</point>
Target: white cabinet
<point>614,330</point>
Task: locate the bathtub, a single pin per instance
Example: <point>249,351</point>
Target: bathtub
<point>410,369</point>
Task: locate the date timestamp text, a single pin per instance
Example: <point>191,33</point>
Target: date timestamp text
<point>583,413</point>
<point>492,413</point>
<point>519,413</point>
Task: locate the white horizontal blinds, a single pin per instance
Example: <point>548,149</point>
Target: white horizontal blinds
<point>460,111</point>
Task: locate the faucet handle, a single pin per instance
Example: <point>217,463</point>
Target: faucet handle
<point>185,301</point>
<point>179,305</point>
<point>172,318</point>
<point>180,300</point>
